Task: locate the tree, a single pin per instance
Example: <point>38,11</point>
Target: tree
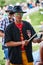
<point>14,1</point>
<point>2,3</point>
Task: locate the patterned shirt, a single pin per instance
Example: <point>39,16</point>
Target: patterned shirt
<point>3,24</point>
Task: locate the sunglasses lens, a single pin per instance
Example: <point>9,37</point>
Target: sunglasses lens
<point>19,14</point>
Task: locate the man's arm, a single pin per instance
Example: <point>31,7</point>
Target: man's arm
<point>12,43</point>
<point>2,34</point>
<point>2,26</point>
<point>37,40</point>
<point>34,36</point>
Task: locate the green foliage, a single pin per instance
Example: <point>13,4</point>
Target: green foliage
<point>2,62</point>
<point>14,1</point>
<point>2,3</point>
<point>7,2</point>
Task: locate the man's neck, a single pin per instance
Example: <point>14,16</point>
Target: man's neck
<point>20,21</point>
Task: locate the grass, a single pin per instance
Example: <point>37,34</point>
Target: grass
<point>35,47</point>
<point>1,53</point>
<point>36,18</point>
<point>2,62</point>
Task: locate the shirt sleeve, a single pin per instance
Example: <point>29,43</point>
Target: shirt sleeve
<point>2,25</point>
<point>8,37</point>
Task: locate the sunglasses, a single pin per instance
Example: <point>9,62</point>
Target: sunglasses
<point>21,14</point>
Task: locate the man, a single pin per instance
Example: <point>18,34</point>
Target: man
<point>3,24</point>
<point>16,39</point>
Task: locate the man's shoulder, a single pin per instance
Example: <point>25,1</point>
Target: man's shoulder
<point>10,26</point>
<point>26,23</point>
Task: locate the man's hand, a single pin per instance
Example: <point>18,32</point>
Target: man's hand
<point>39,40</point>
<point>25,43</point>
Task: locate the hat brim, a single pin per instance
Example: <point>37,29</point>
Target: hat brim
<point>19,12</point>
<point>6,10</point>
<point>9,11</point>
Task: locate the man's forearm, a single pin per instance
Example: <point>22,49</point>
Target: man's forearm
<point>13,43</point>
<point>37,40</point>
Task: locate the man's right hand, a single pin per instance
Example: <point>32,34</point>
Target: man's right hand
<point>25,43</point>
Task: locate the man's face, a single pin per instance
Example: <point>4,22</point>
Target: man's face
<point>11,16</point>
<point>18,16</point>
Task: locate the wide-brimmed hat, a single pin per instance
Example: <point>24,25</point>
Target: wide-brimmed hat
<point>18,9</point>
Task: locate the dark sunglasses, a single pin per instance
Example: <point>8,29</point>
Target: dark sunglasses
<point>21,14</point>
